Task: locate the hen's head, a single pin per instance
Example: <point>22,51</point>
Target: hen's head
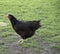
<point>10,16</point>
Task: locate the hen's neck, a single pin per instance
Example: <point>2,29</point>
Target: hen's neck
<point>13,21</point>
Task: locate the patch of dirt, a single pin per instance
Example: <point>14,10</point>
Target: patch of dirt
<point>15,48</point>
<point>46,48</point>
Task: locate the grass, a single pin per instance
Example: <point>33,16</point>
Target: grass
<point>54,39</point>
<point>47,11</point>
<point>56,47</point>
<point>3,49</point>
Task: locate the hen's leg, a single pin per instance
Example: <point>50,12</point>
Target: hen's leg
<point>21,40</point>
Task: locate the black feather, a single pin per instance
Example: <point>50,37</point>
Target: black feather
<point>24,29</point>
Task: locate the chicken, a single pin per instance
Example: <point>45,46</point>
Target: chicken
<point>25,29</point>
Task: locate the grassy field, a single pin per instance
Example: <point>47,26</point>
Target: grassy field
<point>48,11</point>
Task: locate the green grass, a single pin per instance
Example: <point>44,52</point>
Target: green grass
<point>54,39</point>
<point>56,47</point>
<point>3,49</point>
<point>47,11</point>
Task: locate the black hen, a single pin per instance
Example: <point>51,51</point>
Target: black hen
<point>24,29</point>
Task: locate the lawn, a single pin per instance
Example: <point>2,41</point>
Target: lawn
<point>48,11</point>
